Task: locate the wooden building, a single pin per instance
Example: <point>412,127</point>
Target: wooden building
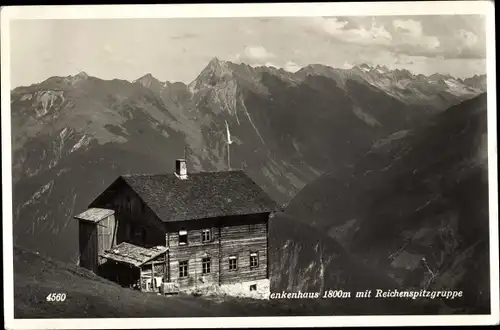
<point>178,231</point>
<point>96,230</point>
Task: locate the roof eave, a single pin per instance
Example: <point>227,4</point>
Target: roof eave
<point>213,216</point>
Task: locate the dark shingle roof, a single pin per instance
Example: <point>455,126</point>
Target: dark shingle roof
<point>201,195</point>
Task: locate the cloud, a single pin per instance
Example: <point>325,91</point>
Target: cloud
<point>270,64</point>
<point>452,37</point>
<point>255,56</point>
<point>376,34</point>
<point>333,25</point>
<point>184,36</point>
<point>410,26</point>
<point>291,66</point>
<point>258,53</point>
<point>465,44</point>
<point>467,38</point>
<point>411,33</point>
<point>108,49</point>
<point>246,30</point>
<point>347,65</point>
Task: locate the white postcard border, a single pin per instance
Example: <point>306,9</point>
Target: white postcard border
<point>246,10</point>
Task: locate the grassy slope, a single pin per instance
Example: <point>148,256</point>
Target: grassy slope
<point>91,296</point>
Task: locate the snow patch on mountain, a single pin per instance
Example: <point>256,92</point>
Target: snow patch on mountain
<point>26,97</point>
<point>83,142</point>
<point>250,120</point>
<point>367,118</point>
<point>64,133</point>
<point>44,101</point>
<point>457,88</point>
<point>37,194</point>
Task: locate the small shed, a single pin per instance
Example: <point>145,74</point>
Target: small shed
<point>97,233</point>
<point>151,263</point>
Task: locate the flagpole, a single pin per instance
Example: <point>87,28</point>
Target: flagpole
<point>228,142</point>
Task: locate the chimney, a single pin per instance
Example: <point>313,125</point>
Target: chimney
<point>181,169</point>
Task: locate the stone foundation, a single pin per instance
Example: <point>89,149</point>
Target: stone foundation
<point>262,289</point>
<point>259,289</point>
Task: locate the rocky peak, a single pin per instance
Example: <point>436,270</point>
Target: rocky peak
<point>215,72</point>
<point>440,76</point>
<point>314,69</point>
<point>401,74</point>
<point>147,80</point>
<point>382,69</point>
<point>215,62</point>
<point>81,76</point>
<point>361,68</point>
<point>476,81</point>
<point>217,67</point>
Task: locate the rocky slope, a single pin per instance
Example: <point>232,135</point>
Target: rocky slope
<point>414,207</point>
<point>74,135</point>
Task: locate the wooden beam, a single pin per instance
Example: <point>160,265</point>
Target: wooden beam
<point>267,250</point>
<point>168,266</point>
<point>220,256</point>
<point>140,279</point>
<point>153,282</point>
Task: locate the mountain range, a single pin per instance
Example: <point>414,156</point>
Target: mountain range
<point>72,136</point>
<point>414,207</point>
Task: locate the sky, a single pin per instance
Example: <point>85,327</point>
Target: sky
<point>177,49</point>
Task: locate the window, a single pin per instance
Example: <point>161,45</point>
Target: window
<point>205,264</point>
<point>206,235</point>
<point>253,287</point>
<point>183,237</point>
<point>183,268</point>
<point>254,260</point>
<point>233,263</point>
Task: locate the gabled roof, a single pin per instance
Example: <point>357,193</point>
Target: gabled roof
<point>201,195</point>
<point>94,214</point>
<point>132,254</point>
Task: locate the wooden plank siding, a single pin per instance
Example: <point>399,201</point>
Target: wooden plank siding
<point>136,223</point>
<point>159,265</point>
<point>240,241</point>
<point>88,245</point>
<point>231,236</point>
<point>106,234</point>
<point>194,252</point>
